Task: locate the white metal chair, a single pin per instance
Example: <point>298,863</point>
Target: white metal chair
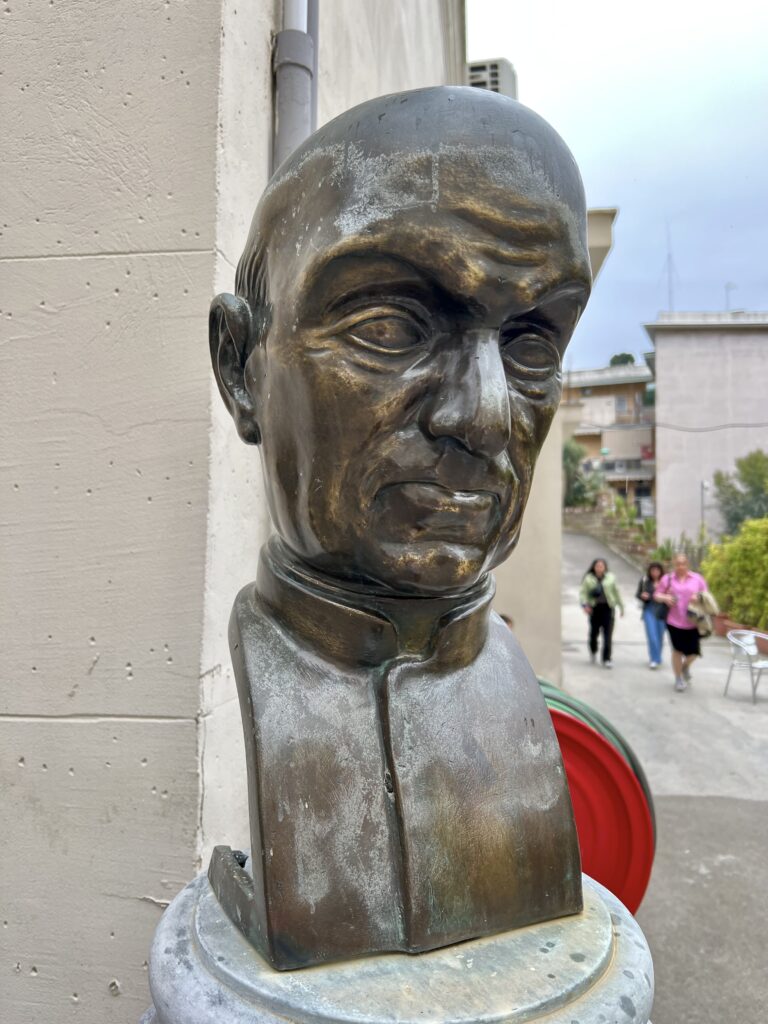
<point>744,654</point>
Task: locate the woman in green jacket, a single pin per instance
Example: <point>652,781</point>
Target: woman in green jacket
<point>599,596</point>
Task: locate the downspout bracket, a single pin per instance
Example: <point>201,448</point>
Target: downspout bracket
<point>292,47</point>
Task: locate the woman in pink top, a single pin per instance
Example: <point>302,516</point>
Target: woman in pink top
<point>676,589</point>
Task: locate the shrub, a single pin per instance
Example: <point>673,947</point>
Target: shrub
<point>621,511</point>
<point>649,529</point>
<point>664,551</point>
<point>694,549</point>
<point>737,574</point>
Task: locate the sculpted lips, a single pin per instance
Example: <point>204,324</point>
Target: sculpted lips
<point>427,510</point>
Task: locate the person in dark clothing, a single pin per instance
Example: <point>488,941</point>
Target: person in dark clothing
<point>599,597</point>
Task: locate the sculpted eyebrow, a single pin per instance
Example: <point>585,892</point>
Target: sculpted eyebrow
<point>523,225</point>
<point>341,285</point>
<point>548,311</point>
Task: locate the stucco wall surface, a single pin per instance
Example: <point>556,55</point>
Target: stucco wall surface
<point>110,107</point>
<point>705,380</point>
<point>528,583</point>
<point>108,217</point>
<point>370,49</point>
<point>238,520</point>
<point>627,442</point>
<point>598,410</point>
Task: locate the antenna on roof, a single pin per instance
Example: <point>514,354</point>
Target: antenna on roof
<point>670,267</point>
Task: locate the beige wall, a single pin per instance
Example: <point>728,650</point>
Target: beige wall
<point>238,521</point>
<point>600,407</point>
<point>705,378</point>
<point>598,410</point>
<point>528,583</point>
<point>627,442</point>
<point>109,222</point>
<point>591,443</point>
<point>413,42</point>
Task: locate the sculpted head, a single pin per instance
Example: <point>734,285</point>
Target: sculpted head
<point>412,277</point>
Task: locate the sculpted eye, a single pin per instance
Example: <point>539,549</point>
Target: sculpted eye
<point>531,356</point>
<point>383,329</point>
<point>388,333</point>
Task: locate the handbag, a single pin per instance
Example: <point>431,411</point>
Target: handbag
<point>661,611</point>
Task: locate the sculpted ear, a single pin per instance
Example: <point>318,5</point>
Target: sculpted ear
<point>230,324</point>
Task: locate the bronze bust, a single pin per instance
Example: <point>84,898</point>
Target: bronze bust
<point>412,277</point>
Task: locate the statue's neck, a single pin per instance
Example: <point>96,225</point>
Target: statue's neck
<point>366,625</point>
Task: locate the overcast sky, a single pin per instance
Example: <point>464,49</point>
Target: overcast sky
<point>665,106</point>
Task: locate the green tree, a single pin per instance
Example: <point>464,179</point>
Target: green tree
<point>573,456</point>
<point>622,359</point>
<point>744,494</point>
<point>736,572</point>
<point>580,488</point>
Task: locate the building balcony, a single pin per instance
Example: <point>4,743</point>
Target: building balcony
<point>615,470</point>
<point>642,417</point>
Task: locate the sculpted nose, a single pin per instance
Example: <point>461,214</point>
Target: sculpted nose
<point>471,403</point>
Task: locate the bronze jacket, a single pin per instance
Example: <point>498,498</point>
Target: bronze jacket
<point>405,781</point>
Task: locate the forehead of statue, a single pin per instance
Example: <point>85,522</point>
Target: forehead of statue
<point>391,134</point>
<point>456,178</point>
<point>471,222</point>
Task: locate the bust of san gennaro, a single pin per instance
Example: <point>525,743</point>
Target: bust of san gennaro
<point>412,277</point>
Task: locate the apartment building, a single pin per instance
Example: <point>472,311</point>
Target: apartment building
<point>609,412</point>
<point>711,372</point>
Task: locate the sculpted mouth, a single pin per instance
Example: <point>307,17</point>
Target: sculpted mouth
<point>424,509</point>
<point>441,494</point>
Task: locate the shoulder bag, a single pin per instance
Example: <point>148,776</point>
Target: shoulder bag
<point>661,611</point>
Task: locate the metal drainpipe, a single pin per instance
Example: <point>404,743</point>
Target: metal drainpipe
<point>313,30</point>
<point>293,61</point>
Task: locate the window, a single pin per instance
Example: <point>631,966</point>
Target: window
<point>621,404</point>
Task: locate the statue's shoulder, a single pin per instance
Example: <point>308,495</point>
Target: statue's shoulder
<point>502,643</point>
<point>253,630</point>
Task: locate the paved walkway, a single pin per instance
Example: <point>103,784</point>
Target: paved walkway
<point>706,757</point>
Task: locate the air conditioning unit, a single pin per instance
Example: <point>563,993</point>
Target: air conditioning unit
<point>497,75</point>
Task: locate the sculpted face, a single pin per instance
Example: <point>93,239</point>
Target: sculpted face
<point>399,359</point>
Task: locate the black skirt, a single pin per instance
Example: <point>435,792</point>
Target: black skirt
<point>685,641</point>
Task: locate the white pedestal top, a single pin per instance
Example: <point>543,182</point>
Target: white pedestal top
<point>593,968</point>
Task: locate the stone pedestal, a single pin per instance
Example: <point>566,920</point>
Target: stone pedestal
<point>594,968</point>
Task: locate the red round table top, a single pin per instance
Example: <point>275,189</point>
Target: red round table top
<point>612,817</point>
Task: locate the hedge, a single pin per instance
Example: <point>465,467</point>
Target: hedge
<point>737,574</point>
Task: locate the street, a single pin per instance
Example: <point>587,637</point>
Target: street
<point>705,914</point>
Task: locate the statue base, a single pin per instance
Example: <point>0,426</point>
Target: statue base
<point>593,967</point>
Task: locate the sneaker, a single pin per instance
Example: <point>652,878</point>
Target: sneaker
<point>653,664</point>
<point>592,657</point>
<point>607,664</point>
<point>687,674</point>
<point>680,685</point>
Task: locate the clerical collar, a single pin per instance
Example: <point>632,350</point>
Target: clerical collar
<point>358,628</point>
